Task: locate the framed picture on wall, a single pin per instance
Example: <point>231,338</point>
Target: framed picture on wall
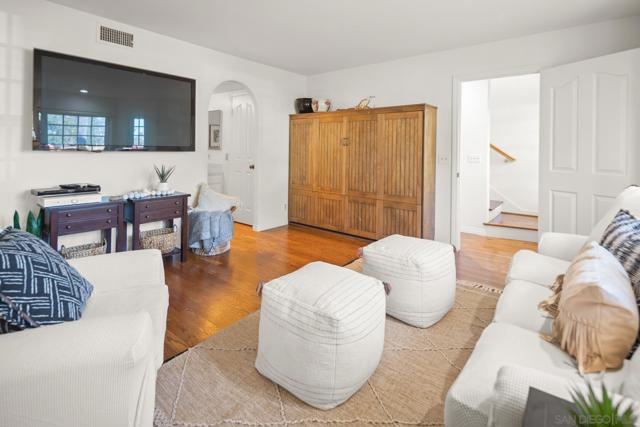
<point>215,133</point>
<point>215,142</point>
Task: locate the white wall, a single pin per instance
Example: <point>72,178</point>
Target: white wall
<point>474,155</point>
<point>428,78</point>
<point>514,104</point>
<point>36,23</point>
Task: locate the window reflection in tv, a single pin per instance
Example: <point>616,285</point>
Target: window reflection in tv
<point>86,105</point>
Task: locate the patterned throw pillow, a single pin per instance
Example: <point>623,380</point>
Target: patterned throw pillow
<point>622,239</point>
<point>37,286</point>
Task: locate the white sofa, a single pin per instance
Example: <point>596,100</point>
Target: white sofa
<point>99,370</point>
<point>510,356</point>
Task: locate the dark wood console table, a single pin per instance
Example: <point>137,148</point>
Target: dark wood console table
<point>161,208</point>
<point>72,219</point>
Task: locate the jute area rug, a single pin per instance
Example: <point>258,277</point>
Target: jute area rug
<point>215,383</point>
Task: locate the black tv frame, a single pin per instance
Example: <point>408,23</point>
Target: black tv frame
<point>39,53</point>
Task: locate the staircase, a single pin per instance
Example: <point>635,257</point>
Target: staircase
<point>510,225</point>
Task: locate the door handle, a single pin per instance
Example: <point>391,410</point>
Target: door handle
<point>345,141</point>
<point>252,167</point>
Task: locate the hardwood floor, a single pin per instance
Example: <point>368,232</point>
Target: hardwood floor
<point>207,294</point>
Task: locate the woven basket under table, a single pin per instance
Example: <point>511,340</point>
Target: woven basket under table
<point>163,239</point>
<point>81,251</point>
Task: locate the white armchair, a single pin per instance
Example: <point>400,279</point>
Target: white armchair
<point>99,370</point>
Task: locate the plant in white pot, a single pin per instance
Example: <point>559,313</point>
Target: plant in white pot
<point>164,173</point>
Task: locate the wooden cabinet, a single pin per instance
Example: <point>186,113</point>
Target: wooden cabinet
<point>368,173</point>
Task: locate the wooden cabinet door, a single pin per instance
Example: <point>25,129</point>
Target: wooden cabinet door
<point>362,156</point>
<point>401,218</point>
<point>330,211</point>
<point>328,157</point>
<point>363,217</point>
<point>401,175</point>
<point>302,133</point>
<point>302,206</point>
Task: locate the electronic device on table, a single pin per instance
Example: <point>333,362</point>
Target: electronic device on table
<point>67,194</point>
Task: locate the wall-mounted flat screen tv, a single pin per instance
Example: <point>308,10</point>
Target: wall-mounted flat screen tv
<point>84,105</point>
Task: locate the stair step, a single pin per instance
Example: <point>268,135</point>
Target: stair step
<point>494,204</point>
<point>511,220</point>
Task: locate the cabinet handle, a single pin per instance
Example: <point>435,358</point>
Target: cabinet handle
<point>146,217</point>
<point>177,203</point>
<point>109,210</point>
<point>345,142</point>
<point>68,227</point>
<point>177,212</point>
<point>146,206</point>
<point>108,221</point>
<point>69,215</point>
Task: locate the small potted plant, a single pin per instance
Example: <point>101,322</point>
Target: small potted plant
<point>593,410</point>
<point>164,173</point>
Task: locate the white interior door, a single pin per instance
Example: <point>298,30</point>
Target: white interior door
<point>589,130</point>
<point>240,166</point>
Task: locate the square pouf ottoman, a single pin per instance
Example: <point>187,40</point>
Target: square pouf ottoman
<point>321,332</point>
<point>422,275</point>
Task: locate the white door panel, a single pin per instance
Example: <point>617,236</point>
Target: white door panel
<point>589,119</point>
<point>239,169</point>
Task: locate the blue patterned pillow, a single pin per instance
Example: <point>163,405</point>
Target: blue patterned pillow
<point>37,286</point>
<point>622,239</point>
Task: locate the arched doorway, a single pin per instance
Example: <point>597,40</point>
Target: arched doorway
<point>232,146</point>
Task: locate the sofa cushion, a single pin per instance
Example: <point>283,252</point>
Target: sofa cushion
<point>533,267</point>
<point>469,399</point>
<point>518,306</point>
<point>134,299</point>
<point>37,286</point>
<point>597,320</point>
<point>629,200</point>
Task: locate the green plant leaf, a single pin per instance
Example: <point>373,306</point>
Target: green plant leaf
<point>32,223</point>
<point>16,220</point>
<point>592,411</point>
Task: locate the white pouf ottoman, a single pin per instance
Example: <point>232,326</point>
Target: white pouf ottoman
<point>422,275</point>
<point>321,332</point>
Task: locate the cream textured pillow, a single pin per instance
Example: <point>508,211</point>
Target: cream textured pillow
<point>597,321</point>
<point>210,200</point>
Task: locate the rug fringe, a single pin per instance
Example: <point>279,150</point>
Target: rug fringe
<point>477,285</point>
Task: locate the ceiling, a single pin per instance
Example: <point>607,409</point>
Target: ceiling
<point>311,36</point>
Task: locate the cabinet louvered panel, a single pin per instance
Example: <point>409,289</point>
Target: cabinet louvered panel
<point>300,146</point>
<point>362,155</point>
<point>402,141</point>
<point>301,207</point>
<point>402,219</point>
<point>362,217</point>
<point>329,156</point>
<point>330,211</point>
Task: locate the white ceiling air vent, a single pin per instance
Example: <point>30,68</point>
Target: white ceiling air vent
<point>111,35</point>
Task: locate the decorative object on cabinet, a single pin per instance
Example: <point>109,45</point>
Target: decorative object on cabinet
<point>164,173</point>
<point>321,105</point>
<point>72,219</point>
<point>304,105</point>
<point>33,225</point>
<point>364,103</point>
<point>369,173</point>
<point>167,208</point>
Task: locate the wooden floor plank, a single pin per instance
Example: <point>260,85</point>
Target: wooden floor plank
<point>207,294</point>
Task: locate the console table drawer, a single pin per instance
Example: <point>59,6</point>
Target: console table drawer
<point>157,205</point>
<point>73,215</point>
<point>160,214</point>
<point>86,225</point>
